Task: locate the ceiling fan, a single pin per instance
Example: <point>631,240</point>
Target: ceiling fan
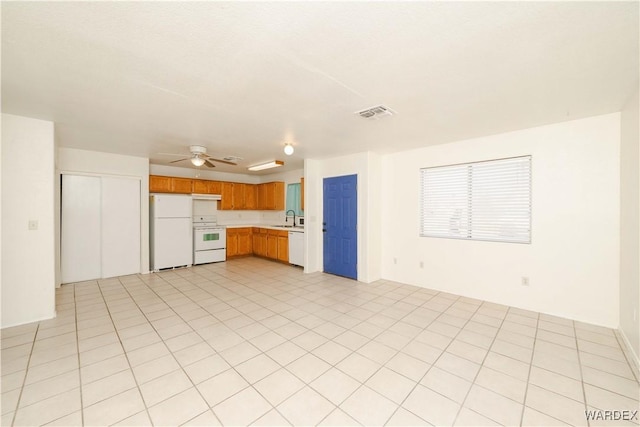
<point>199,157</point>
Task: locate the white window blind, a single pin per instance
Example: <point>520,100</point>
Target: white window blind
<point>488,200</point>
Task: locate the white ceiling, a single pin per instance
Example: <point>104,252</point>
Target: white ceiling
<point>242,78</point>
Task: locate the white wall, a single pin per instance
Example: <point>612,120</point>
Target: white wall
<point>573,260</point>
<point>71,160</point>
<point>630,226</point>
<point>312,219</point>
<point>28,271</point>
<point>367,167</point>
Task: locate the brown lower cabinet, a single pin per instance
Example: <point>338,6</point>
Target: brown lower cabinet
<point>283,246</point>
<point>272,244</point>
<point>262,242</point>
<point>239,242</point>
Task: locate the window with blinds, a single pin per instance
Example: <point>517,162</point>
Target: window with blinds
<point>488,200</point>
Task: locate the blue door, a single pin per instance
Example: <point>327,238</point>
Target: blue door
<point>339,226</point>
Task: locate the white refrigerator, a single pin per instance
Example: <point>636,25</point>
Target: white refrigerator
<point>171,231</point>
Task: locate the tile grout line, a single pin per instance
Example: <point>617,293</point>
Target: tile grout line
<point>381,365</point>
<point>274,407</point>
<point>204,340</point>
<point>533,352</point>
<point>623,347</point>
<point>106,304</point>
<point>149,322</point>
<point>584,391</point>
<point>261,352</point>
<point>292,289</point>
<point>352,351</point>
<point>416,307</point>
<point>53,361</point>
<point>566,376</point>
<point>75,310</point>
<point>254,321</point>
<point>495,337</point>
<point>26,372</point>
<point>444,350</point>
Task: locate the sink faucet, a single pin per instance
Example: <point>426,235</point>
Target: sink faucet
<point>286,216</point>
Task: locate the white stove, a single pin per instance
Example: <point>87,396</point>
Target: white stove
<point>209,240</point>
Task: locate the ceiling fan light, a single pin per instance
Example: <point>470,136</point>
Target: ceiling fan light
<point>288,149</point>
<point>268,165</point>
<point>197,161</point>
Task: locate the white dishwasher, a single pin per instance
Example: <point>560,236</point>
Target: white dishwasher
<point>296,248</point>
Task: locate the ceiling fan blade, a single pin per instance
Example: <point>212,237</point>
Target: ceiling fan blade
<point>179,160</point>
<point>222,161</point>
<point>208,164</point>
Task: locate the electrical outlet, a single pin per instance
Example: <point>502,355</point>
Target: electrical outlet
<point>525,281</point>
<point>33,224</point>
<point>421,264</point>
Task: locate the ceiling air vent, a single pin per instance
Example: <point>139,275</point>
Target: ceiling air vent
<point>375,113</point>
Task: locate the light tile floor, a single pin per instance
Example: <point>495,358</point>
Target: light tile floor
<point>251,341</point>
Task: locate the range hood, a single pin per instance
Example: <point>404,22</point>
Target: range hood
<point>206,196</point>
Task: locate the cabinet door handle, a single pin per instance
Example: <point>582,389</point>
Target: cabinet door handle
<point>324,230</point>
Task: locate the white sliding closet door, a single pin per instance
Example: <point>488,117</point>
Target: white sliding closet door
<point>100,233</point>
<point>120,226</point>
<point>80,229</point>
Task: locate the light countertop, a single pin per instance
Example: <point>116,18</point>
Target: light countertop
<point>296,229</point>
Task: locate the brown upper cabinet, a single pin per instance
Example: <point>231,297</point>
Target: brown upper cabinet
<point>182,185</point>
<point>238,195</point>
<point>235,195</point>
<point>271,196</point>
<point>169,184</point>
<point>200,186</point>
<point>203,186</point>
<point>227,196</point>
<point>250,196</point>
<point>159,184</point>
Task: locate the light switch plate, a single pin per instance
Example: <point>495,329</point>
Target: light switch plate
<point>33,224</point>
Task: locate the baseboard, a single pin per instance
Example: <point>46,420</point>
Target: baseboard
<point>631,354</point>
<point>12,325</point>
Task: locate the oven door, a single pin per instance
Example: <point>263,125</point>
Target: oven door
<point>209,238</point>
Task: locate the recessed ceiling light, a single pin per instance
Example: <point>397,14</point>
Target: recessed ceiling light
<point>268,165</point>
<point>288,149</point>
